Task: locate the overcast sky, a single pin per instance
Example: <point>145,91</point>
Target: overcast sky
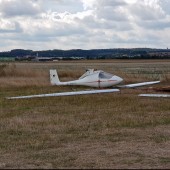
<point>84,24</point>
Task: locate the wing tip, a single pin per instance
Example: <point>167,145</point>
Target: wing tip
<point>154,95</point>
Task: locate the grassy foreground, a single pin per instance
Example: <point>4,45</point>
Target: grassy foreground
<point>117,130</point>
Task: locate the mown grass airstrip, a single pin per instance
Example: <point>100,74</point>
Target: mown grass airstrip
<point>117,130</point>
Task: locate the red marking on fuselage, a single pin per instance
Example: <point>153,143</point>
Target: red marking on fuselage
<point>102,81</point>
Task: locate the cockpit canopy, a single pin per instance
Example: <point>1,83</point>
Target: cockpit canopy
<point>104,75</point>
<point>101,74</point>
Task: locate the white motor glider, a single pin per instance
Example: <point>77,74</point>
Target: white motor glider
<point>92,78</point>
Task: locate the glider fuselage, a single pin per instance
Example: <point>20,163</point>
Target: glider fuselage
<point>99,79</point>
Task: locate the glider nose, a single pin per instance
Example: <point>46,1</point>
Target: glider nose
<point>119,79</point>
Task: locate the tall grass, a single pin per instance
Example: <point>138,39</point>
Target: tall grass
<point>12,75</point>
<point>11,70</point>
<point>16,74</point>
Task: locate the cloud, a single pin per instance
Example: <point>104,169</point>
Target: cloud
<point>101,3</point>
<point>12,8</point>
<point>65,24</point>
<point>60,6</point>
<point>147,10</point>
<point>7,26</point>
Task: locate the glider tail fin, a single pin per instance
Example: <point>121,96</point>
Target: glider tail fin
<point>54,78</point>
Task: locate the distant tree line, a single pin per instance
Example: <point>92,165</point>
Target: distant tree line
<point>120,53</point>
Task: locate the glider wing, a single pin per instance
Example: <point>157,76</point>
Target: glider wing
<point>66,94</point>
<point>139,84</point>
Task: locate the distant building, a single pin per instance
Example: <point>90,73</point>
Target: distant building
<point>33,58</point>
<point>159,54</point>
<point>42,59</point>
<point>24,58</point>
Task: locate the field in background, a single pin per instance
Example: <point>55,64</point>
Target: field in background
<point>91,131</point>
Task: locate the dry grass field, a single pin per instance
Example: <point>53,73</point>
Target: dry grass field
<point>118,130</point>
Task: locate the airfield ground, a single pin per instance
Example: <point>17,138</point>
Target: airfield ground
<point>119,130</point>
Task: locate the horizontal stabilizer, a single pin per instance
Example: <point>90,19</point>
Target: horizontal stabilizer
<point>66,94</point>
<point>139,84</point>
<point>155,95</point>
